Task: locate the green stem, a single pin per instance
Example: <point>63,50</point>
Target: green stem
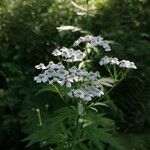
<point>107,68</point>
<point>115,71</point>
<point>114,85</point>
<point>119,74</point>
<point>76,132</point>
<point>67,65</point>
<point>61,96</point>
<point>39,116</point>
<point>58,92</point>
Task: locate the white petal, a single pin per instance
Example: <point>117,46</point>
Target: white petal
<point>68,84</point>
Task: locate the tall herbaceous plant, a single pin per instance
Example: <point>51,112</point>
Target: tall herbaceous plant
<point>79,124</point>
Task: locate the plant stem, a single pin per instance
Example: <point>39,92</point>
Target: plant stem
<point>76,131</point>
<point>114,85</point>
<point>39,116</point>
<point>110,73</point>
<point>58,92</point>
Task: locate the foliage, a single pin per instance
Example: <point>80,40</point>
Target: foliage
<point>136,94</point>
<point>57,131</point>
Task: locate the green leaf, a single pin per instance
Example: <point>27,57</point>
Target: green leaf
<point>53,130</point>
<point>45,89</point>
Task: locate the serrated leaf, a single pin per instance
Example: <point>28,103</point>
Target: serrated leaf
<point>51,131</point>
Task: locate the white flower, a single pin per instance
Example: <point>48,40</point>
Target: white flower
<point>76,43</point>
<point>81,39</point>
<point>59,66</point>
<point>96,92</point>
<point>96,41</point>
<point>73,70</point>
<point>54,66</point>
<point>109,60</point>
<point>132,65</point>
<point>78,72</point>
<point>68,84</point>
<point>87,98</point>
<point>81,72</point>
<point>57,80</point>
<point>56,52</point>
<point>105,45</point>
<point>114,61</point>
<point>124,64</point>
<point>66,52</point>
<point>97,84</point>
<point>50,73</point>
<point>70,78</point>
<point>76,56</point>
<point>92,75</point>
<point>70,55</point>
<point>78,93</point>
<point>104,61</point>
<point>60,82</point>
<point>62,73</point>
<point>93,41</point>
<point>41,66</point>
<point>41,78</point>
<point>86,92</point>
<point>127,64</point>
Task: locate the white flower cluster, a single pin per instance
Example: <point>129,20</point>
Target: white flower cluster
<point>87,92</point>
<point>94,41</point>
<point>56,73</point>
<point>40,66</point>
<point>127,64</point>
<point>108,60</point>
<point>80,83</point>
<point>70,55</point>
<point>90,86</point>
<point>83,74</point>
<point>123,64</point>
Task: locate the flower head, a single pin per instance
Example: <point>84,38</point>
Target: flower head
<point>105,60</point>
<point>114,61</point>
<point>69,55</point>
<point>41,78</point>
<point>80,83</point>
<point>94,41</point>
<point>41,66</point>
<point>127,64</point>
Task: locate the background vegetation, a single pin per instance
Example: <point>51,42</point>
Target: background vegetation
<point>28,34</point>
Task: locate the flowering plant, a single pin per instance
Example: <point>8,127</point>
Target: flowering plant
<point>81,83</point>
<point>83,90</point>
